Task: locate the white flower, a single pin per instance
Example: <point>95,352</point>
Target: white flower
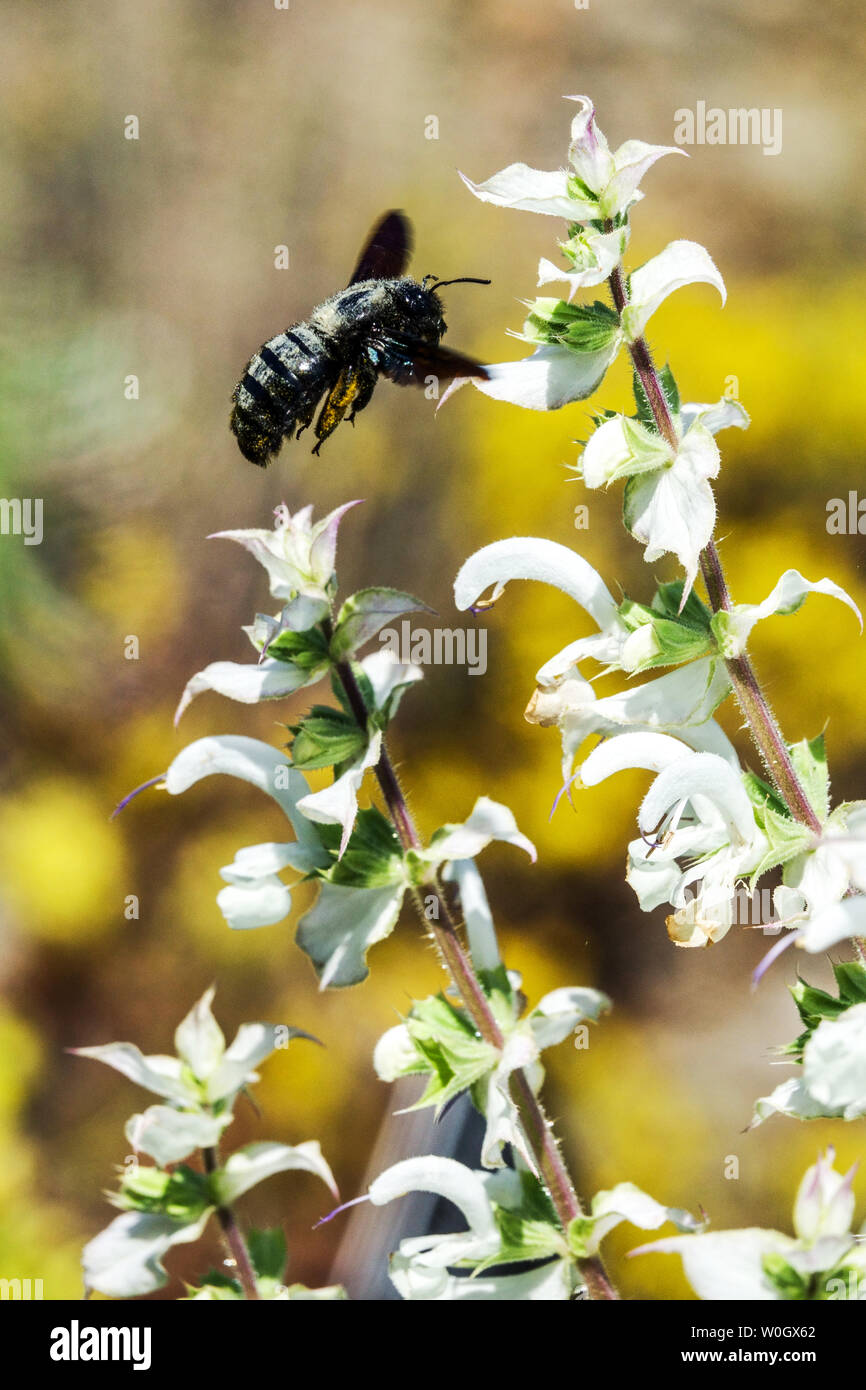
<point>297,554</point>
<point>669,504</point>
<point>338,803</point>
<point>256,896</point>
<point>824,887</point>
<point>558,373</point>
<point>267,680</point>
<point>600,185</point>
<point>420,1268</point>
<point>681,702</point>
<point>757,1265</point>
<point>824,1205</point>
<point>205,1070</point>
<point>593,257</point>
<point>526,557</point>
<point>346,920</point>
<point>681,263</point>
<point>697,826</point>
<point>125,1260</point>
<point>467,1061</point>
<point>733,629</point>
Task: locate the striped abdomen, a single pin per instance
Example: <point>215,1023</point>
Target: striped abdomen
<point>279,390</point>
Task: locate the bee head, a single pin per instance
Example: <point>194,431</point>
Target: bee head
<point>423,306</point>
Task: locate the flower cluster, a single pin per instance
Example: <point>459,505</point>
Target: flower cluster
<point>168,1202</point>
<point>707,827</point>
<point>708,830</point>
<point>824,1260</point>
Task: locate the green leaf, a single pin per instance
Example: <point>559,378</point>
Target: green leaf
<point>373,857</point>
<point>810,764</point>
<point>672,643</point>
<point>763,796</point>
<point>324,738</point>
<point>581,327</point>
<point>306,650</point>
<point>814,1004</point>
<point>268,1253</point>
<point>579,1234</point>
<point>695,613</point>
<point>581,191</point>
<point>787,838</point>
<point>851,980</point>
<point>182,1194</point>
<point>217,1287</point>
<point>789,1283</point>
<point>364,613</point>
<point>456,1055</point>
<point>670,391</point>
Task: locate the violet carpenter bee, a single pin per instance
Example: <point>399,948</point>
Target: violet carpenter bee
<point>383,324</point>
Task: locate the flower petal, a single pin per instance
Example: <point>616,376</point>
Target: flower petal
<point>342,925</point>
<point>453,1181</point>
<point>480,931</point>
<point>252,761</point>
<point>673,510</point>
<point>704,775</point>
<point>549,378</point>
<point>681,263</point>
<point>266,680</point>
<point>726,1265</point>
<point>631,161</point>
<point>787,597</point>
<point>725,414</point>
<point>525,557</point>
<point>652,752</point>
<point>834,924</point>
<point>532,190</point>
<point>488,821</point>
<point>199,1039</point>
<point>159,1074</point>
<point>170,1135</point>
<point>834,1062</point>
<point>560,1011</point>
<point>252,1164</point>
<point>261,903</point>
<point>589,153</point>
<point>338,803</point>
<point>125,1259</point>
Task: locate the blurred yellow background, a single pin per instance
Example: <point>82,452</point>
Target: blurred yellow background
<point>155,258</point>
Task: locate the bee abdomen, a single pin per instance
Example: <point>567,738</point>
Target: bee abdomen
<point>282,383</point>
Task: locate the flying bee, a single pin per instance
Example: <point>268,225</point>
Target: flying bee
<point>383,324</point>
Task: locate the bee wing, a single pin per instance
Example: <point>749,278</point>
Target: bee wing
<point>411,361</point>
<point>387,250</point>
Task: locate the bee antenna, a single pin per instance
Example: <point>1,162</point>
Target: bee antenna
<point>463,280</point>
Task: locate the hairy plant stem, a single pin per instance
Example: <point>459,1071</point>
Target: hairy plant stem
<point>753,702</point>
<point>233,1235</point>
<point>443,925</point>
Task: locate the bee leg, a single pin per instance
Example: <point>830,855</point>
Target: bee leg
<point>337,402</point>
<point>367,378</point>
<point>304,417</point>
